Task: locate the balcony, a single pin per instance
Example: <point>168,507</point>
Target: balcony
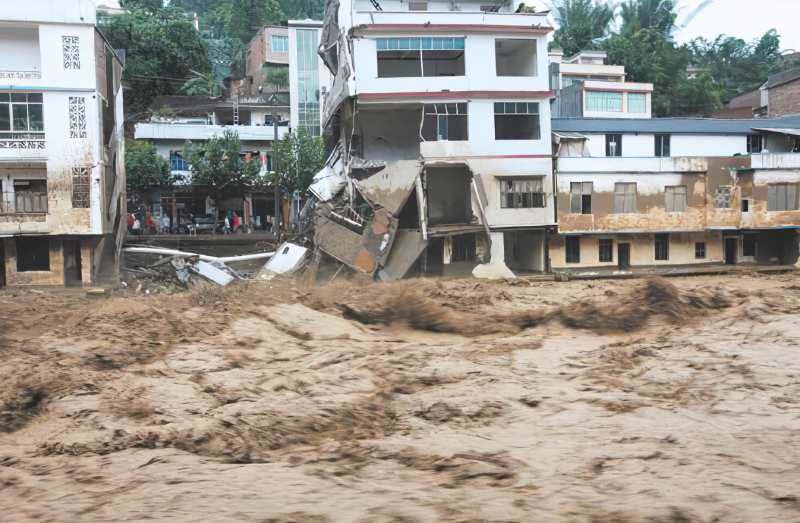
<point>20,75</point>
<point>183,132</point>
<point>776,161</point>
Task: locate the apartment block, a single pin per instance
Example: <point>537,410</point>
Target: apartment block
<point>438,126</point>
<point>62,168</point>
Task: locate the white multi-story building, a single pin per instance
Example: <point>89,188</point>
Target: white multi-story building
<point>439,122</point>
<point>62,168</point>
<point>309,80</point>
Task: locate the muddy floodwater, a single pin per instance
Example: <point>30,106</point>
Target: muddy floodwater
<point>674,400</point>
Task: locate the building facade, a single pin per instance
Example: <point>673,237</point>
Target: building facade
<point>62,165</point>
<point>309,80</point>
<point>268,50</point>
<point>438,123</point>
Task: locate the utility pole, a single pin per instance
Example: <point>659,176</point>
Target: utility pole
<point>278,214</point>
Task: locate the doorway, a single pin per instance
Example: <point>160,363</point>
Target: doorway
<point>624,256</point>
<point>2,263</point>
<point>730,251</point>
<point>72,263</point>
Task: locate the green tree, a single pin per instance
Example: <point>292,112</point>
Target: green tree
<point>300,157</point>
<point>302,9</point>
<point>582,24</point>
<point>241,19</point>
<point>656,15</point>
<point>277,76</point>
<point>204,84</point>
<point>217,163</point>
<point>161,49</point>
<point>148,5</point>
<point>144,167</point>
<point>228,57</point>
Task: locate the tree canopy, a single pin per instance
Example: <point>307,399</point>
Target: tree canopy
<point>241,19</point>
<point>217,163</point>
<point>300,157</point>
<point>144,167</point>
<point>582,24</point>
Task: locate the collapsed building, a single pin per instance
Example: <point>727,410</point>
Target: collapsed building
<point>438,128</point>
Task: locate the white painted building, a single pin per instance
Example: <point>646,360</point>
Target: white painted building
<point>439,119</point>
<point>62,170</point>
<point>309,79</point>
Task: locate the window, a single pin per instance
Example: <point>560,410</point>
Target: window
<point>571,80</point>
<point>33,253</point>
<point>723,199</point>
<point>280,44</point>
<point>662,247</point>
<point>308,88</point>
<point>516,121</point>
<point>177,162</point>
<point>515,57</point>
<point>606,251</point>
<point>604,101</point>
<point>573,249</point>
<point>21,116</point>
<point>781,197</point>
<point>445,122</point>
<point>745,205</point>
<point>72,52</point>
<point>415,57</point>
<point>418,6</point>
<point>30,196</point>
<point>749,245</point>
<point>624,198</point>
<point>637,103</point>
<point>613,145</point>
<point>77,117</point>
<point>522,194</point>
<point>580,198</point>
<point>700,250</point>
<point>662,145</point>
<point>755,143</point>
<point>80,188</point>
<point>675,198</point>
<point>463,248</point>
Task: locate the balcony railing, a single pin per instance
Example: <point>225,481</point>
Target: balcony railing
<point>20,75</point>
<point>21,140</point>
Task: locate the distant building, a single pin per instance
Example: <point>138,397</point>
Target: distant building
<point>784,93</point>
<point>309,79</point>
<point>269,48</point>
<point>693,72</point>
<point>62,152</point>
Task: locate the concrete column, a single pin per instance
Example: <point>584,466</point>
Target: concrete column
<point>496,268</point>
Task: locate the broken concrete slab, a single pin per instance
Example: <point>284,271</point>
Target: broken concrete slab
<point>338,241</point>
<point>391,186</point>
<point>493,271</point>
<point>327,184</point>
<point>406,248</point>
<point>288,259</point>
<point>209,272</point>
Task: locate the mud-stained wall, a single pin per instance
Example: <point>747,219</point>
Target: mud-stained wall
<point>55,276</point>
<point>650,212</point>
<point>759,216</point>
<point>389,135</point>
<point>741,183</point>
<point>642,250</point>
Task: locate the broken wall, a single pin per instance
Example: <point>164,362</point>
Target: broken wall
<point>388,134</point>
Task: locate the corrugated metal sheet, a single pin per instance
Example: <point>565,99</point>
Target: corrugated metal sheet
<point>671,125</point>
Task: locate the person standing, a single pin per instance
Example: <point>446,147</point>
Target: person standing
<point>137,226</point>
<point>151,225</point>
<point>227,224</point>
<point>130,223</point>
<point>166,223</point>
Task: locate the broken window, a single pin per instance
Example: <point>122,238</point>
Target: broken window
<point>700,250</point>
<point>580,198</point>
<point>781,197</point>
<point>515,57</point>
<point>516,121</point>
<point>604,101</point>
<point>33,253</point>
<point>675,198</point>
<point>662,145</point>
<point>446,122</point>
<point>662,247</point>
<point>723,199</point>
<point>80,188</point>
<point>749,245</point>
<point>522,194</point>
<point>755,143</point>
<point>624,198</point>
<point>21,116</point>
<point>573,249</point>
<point>30,196</point>
<point>606,250</point>
<point>415,57</point>
<point>613,145</point>
<point>418,6</point>
<point>637,103</point>
<point>463,248</point>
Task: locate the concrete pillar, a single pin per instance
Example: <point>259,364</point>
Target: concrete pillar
<point>496,268</point>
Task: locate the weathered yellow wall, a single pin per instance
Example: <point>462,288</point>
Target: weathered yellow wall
<point>681,250</point>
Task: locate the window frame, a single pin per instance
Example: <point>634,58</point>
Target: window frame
<point>8,103</point>
<point>699,250</point>
<point>444,112</point>
<point>663,142</point>
<point>676,191</point>
<point>606,250</point>
<point>775,200</point>
<point>422,44</point>
<point>578,199</point>
<point>603,101</point>
<point>626,197</point>
<point>643,100</point>
<point>723,189</point>
<point>759,143</point>
<point>418,4</point>
<point>282,41</point>
<point>43,201</point>
<point>612,138</point>
<point>663,239</point>
<point>515,109</point>
<point>572,249</point>
<point>535,200</point>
